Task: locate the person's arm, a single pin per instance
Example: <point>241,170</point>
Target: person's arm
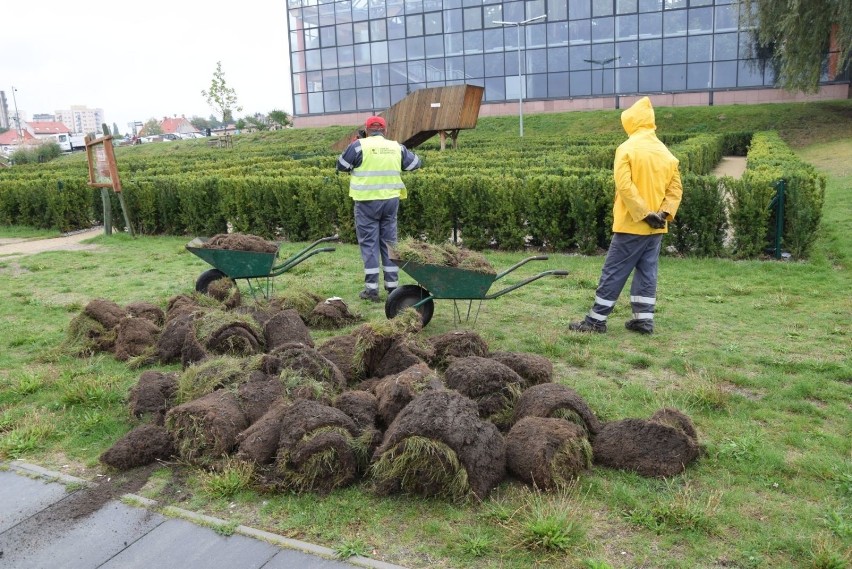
<point>351,158</point>
<point>410,161</point>
<point>674,193</point>
<point>626,189</point>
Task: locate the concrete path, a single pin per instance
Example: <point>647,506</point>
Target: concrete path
<point>733,166</point>
<point>69,242</point>
<point>40,528</point>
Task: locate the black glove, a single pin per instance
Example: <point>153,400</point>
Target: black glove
<point>655,221</point>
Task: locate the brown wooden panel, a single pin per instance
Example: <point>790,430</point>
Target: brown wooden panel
<point>424,113</point>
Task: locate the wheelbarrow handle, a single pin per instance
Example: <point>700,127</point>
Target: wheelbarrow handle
<point>520,264</point>
<point>560,273</point>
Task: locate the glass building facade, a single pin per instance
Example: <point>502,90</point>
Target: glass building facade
<point>365,55</point>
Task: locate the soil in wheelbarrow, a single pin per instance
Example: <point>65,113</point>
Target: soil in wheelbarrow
<point>240,242</point>
<point>446,255</point>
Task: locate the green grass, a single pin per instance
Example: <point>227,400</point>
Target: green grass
<point>755,352</point>
<point>21,232</point>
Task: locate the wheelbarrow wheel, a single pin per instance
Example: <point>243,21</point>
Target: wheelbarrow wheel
<point>406,296</point>
<point>207,278</point>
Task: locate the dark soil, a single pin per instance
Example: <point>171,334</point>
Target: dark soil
<point>153,394</point>
<point>361,406</point>
<point>647,447</point>
<point>341,351</point>
<point>258,394</point>
<point>547,399</point>
<point>458,344</point>
<point>486,381</point>
<point>143,445</point>
<point>240,242</point>
<point>546,452</point>
<point>331,314</point>
<point>180,305</point>
<point>398,357</point>
<point>171,340</point>
<point>311,364</point>
<point>532,367</point>
<point>308,430</point>
<point>135,337</point>
<point>453,419</point>
<point>105,311</point>
<point>206,429</point>
<point>259,442</point>
<point>284,328</point>
<point>394,392</point>
<point>192,352</point>
<point>675,418</point>
<point>225,291</point>
<point>147,311</point>
<point>234,337</point>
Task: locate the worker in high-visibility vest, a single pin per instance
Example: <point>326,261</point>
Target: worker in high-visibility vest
<point>376,187</point>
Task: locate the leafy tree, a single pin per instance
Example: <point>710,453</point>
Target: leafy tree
<point>115,131</point>
<point>200,123</point>
<point>240,124</point>
<point>799,33</point>
<point>220,97</point>
<point>257,121</point>
<point>280,118</point>
<point>214,122</point>
<point>152,126</point>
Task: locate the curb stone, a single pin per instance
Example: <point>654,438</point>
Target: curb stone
<point>203,519</point>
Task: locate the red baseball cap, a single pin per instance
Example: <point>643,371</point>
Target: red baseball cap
<point>375,123</point>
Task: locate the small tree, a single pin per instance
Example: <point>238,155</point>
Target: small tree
<point>280,118</point>
<point>257,121</point>
<point>200,123</point>
<point>220,97</point>
<point>152,126</point>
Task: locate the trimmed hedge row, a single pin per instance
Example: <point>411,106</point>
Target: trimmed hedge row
<point>492,204</point>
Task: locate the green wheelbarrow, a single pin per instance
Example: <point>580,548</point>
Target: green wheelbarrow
<point>256,268</point>
<point>435,282</point>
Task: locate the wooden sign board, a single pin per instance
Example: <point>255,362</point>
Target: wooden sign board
<point>103,172</point>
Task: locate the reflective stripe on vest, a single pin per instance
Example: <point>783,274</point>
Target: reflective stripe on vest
<point>377,178</point>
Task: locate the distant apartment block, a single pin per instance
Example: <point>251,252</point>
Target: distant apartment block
<point>44,117</point>
<point>81,120</point>
<point>4,111</point>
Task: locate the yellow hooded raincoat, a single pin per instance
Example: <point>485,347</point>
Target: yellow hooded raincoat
<point>646,174</point>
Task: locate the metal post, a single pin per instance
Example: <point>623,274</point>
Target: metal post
<point>520,76</point>
<point>520,85</point>
<point>779,216</point>
<point>17,117</point>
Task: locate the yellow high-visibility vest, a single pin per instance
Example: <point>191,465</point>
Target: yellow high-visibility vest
<point>377,178</point>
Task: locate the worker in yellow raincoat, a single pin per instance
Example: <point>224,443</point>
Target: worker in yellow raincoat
<point>648,191</point>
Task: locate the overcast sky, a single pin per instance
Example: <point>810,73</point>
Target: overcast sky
<point>142,59</point>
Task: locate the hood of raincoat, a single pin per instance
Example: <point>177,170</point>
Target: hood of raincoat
<point>639,115</point>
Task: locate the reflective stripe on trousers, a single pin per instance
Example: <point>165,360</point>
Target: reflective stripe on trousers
<point>628,253</point>
<point>375,226</point>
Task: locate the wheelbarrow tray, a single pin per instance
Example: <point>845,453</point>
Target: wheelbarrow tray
<point>234,263</point>
<point>448,282</point>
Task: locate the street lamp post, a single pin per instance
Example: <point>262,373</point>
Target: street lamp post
<point>603,63</point>
<point>17,116</point>
<point>520,77</point>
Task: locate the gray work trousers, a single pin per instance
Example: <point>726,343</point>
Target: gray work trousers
<point>629,253</point>
<point>375,226</point>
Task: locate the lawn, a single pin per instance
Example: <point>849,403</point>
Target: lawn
<point>756,352</point>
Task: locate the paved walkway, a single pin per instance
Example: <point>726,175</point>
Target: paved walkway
<point>69,242</point>
<point>41,529</point>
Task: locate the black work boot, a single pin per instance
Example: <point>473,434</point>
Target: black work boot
<point>588,326</point>
<point>371,295</point>
<point>643,326</point>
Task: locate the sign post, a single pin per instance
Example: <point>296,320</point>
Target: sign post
<point>103,173</point>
